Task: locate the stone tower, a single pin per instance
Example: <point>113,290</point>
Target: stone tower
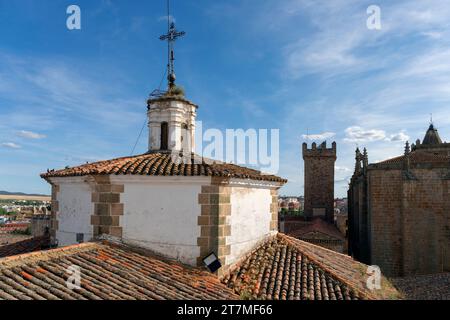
<point>319,180</point>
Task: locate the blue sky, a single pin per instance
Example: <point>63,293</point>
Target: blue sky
<point>303,66</point>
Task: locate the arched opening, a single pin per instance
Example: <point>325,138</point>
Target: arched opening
<point>164,136</point>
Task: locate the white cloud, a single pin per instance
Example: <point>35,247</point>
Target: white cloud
<point>342,180</point>
<point>319,136</point>
<point>401,136</point>
<point>342,169</point>
<point>433,34</point>
<point>339,41</point>
<point>30,135</point>
<point>10,145</point>
<point>358,134</point>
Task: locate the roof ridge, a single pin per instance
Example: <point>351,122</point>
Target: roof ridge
<point>314,259</point>
<point>292,239</point>
<point>165,160</point>
<point>317,225</point>
<point>44,255</point>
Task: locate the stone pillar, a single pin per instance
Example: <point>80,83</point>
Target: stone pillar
<point>274,210</point>
<point>214,221</point>
<point>107,207</point>
<point>54,212</point>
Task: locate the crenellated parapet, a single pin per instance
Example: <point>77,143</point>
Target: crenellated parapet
<point>319,150</point>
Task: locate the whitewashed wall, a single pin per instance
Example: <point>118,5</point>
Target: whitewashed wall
<point>250,220</point>
<point>75,210</point>
<point>161,214</point>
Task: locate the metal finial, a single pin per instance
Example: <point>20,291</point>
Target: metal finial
<point>170,37</point>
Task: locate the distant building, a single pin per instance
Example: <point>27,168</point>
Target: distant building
<point>289,203</point>
<point>319,180</point>
<point>317,231</point>
<point>399,209</point>
<point>341,205</point>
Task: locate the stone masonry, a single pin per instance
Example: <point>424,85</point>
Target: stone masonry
<point>107,207</point>
<point>274,210</point>
<point>319,180</point>
<point>214,220</point>
<point>54,212</point>
<point>399,210</point>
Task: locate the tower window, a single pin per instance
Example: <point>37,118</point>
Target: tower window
<point>164,136</point>
<point>184,137</point>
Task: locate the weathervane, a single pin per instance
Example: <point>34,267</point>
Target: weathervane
<point>170,37</point>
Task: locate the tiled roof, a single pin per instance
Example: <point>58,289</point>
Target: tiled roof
<point>7,228</point>
<point>425,287</point>
<point>432,136</point>
<point>164,164</point>
<point>28,245</point>
<point>420,156</point>
<point>285,268</point>
<point>108,271</point>
<point>316,225</point>
<point>280,268</point>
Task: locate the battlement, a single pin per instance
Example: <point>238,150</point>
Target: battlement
<point>319,150</point>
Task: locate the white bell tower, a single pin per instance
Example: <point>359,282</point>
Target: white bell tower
<point>171,118</point>
<point>171,124</point>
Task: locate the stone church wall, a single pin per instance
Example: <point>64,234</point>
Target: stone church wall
<point>385,219</point>
<point>410,221</point>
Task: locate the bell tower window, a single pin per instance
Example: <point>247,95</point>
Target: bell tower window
<point>164,136</point>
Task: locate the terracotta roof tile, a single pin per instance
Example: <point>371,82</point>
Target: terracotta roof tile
<point>164,164</point>
<point>108,271</point>
<point>316,225</point>
<point>420,156</point>
<point>280,268</point>
<point>25,246</point>
<point>289,269</point>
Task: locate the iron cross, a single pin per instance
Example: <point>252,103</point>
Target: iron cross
<point>170,37</point>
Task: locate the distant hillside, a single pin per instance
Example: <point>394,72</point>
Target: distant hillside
<point>6,193</point>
